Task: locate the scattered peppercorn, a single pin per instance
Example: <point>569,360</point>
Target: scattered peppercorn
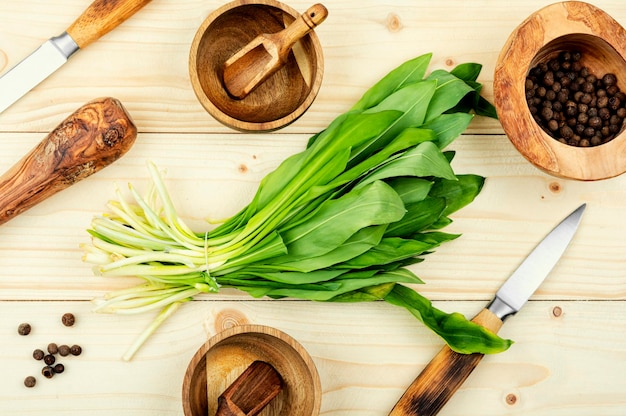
<point>573,105</point>
<point>76,350</point>
<point>47,371</point>
<point>24,329</point>
<point>68,319</point>
<point>59,368</point>
<point>30,381</point>
<point>52,348</point>
<point>38,354</point>
<point>49,359</point>
<point>64,350</point>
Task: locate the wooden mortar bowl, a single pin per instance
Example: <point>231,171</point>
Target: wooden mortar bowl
<point>283,97</point>
<point>226,355</point>
<point>564,26</point>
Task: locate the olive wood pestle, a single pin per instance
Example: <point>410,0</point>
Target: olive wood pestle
<point>267,53</point>
<point>93,137</point>
<point>251,392</point>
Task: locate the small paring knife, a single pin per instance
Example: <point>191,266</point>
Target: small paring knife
<point>445,373</point>
<point>98,19</point>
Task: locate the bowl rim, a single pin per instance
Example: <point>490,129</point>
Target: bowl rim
<point>558,159</point>
<point>227,119</point>
<point>198,361</point>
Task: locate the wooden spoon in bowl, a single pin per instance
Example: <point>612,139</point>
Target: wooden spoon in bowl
<point>267,53</point>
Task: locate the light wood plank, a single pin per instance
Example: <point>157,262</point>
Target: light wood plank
<point>144,62</point>
<point>365,359</point>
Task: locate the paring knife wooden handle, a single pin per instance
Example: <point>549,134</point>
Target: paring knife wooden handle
<point>94,136</point>
<point>443,376</point>
<point>100,18</point>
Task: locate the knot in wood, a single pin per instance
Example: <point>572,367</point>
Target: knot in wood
<point>112,136</point>
<point>394,24</point>
<point>511,399</point>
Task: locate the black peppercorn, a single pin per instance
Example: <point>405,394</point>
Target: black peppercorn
<point>76,350</point>
<point>38,354</point>
<point>24,329</point>
<point>30,381</point>
<point>68,319</point>
<point>52,348</point>
<point>59,368</point>
<point>64,350</point>
<point>609,79</point>
<point>47,371</point>
<point>49,359</point>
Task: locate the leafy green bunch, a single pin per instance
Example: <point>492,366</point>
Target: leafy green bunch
<point>340,221</point>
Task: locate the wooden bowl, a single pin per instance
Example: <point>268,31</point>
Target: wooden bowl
<point>564,26</point>
<point>283,97</point>
<point>226,355</point>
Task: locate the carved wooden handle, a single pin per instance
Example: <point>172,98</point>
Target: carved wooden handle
<point>93,137</point>
<point>100,18</point>
<point>442,377</point>
<point>307,21</point>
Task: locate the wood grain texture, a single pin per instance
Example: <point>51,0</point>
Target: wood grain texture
<point>569,353</point>
<point>100,18</point>
<point>88,140</point>
<point>443,376</point>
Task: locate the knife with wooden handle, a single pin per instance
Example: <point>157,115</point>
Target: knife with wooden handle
<point>91,138</point>
<point>97,20</point>
<point>447,371</point>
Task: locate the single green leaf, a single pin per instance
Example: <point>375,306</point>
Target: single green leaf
<point>423,160</point>
<point>448,127</point>
<point>462,335</point>
<point>468,71</point>
<point>410,189</point>
<point>457,193</point>
<point>409,72</point>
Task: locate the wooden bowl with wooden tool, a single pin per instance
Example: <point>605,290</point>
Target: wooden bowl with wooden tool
<point>559,89</point>
<point>247,369</point>
<point>257,65</point>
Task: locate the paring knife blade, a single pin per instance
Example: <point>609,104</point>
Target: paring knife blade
<point>445,373</point>
<point>98,19</point>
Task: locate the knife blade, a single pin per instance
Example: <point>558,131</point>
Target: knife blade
<point>98,19</point>
<point>447,371</point>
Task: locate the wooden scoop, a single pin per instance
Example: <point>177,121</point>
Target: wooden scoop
<point>251,392</point>
<point>267,53</point>
<point>94,136</point>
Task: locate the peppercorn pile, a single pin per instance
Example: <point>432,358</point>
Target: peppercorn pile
<point>51,366</point>
<point>573,105</point>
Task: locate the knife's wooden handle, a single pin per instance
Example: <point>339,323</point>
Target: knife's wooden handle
<point>100,18</point>
<point>432,389</point>
<point>91,138</point>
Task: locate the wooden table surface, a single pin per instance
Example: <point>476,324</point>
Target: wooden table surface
<point>569,357</point>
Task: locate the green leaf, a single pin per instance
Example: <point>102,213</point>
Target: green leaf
<point>420,215</point>
<point>457,193</point>
<point>409,72</point>
<point>462,335</point>
<point>450,90</point>
<point>410,189</point>
<point>467,71</point>
<point>359,243</point>
<point>337,220</point>
<point>389,250</point>
<point>448,127</point>
<point>423,160</point>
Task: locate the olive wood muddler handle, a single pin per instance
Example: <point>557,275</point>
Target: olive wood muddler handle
<point>443,376</point>
<point>94,136</point>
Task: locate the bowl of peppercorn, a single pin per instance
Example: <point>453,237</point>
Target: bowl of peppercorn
<point>560,91</point>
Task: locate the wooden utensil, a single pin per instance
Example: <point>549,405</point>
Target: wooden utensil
<point>251,392</point>
<point>94,136</point>
<point>267,53</point>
